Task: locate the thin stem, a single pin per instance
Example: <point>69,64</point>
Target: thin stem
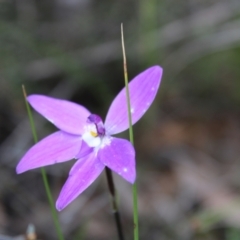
<point>44,175</point>
<point>114,203</point>
<point>134,189</point>
<point>127,88</point>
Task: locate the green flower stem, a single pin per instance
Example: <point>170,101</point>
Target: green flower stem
<point>114,203</point>
<point>44,175</point>
<point>134,189</point>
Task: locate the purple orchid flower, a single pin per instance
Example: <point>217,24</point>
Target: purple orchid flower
<point>84,137</point>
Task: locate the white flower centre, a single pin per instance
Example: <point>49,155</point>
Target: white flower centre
<point>90,136</point>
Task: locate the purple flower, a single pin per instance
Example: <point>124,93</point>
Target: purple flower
<point>84,136</point>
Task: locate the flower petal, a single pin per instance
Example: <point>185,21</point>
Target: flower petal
<point>57,147</point>
<point>84,151</point>
<point>81,176</point>
<point>119,155</point>
<point>65,115</point>
<point>143,89</point>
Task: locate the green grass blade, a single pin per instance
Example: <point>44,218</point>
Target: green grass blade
<point>44,175</point>
<point>134,188</point>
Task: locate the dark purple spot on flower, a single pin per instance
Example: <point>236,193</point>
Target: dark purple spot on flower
<point>93,118</point>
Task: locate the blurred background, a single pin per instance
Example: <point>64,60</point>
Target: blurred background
<point>188,143</point>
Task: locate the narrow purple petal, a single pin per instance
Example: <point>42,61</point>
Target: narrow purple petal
<point>143,89</point>
<point>65,115</point>
<point>119,156</point>
<point>81,176</point>
<point>57,147</point>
